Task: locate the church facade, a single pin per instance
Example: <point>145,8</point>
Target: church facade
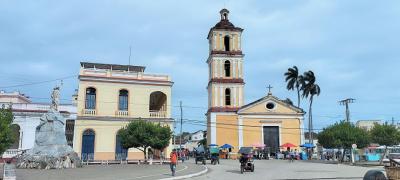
<point>268,120</point>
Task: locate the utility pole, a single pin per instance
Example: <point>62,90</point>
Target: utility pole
<point>173,134</point>
<point>346,102</point>
<point>392,121</point>
<point>130,53</point>
<point>180,143</point>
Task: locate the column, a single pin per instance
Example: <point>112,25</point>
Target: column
<point>213,124</point>
<point>240,96</point>
<point>215,95</point>
<point>222,94</point>
<point>214,66</point>
<point>233,42</point>
<point>239,42</point>
<point>221,67</point>
<point>240,133</point>
<point>234,62</point>
<point>234,96</point>
<point>221,41</point>
<point>241,68</point>
<point>215,41</point>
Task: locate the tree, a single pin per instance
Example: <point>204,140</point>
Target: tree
<point>143,135</point>
<point>6,135</point>
<point>294,80</point>
<point>385,134</point>
<point>343,135</point>
<point>310,89</point>
<point>203,142</point>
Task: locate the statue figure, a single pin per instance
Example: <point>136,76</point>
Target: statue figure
<point>55,98</point>
<point>51,150</point>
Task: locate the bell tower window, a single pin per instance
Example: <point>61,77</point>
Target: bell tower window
<point>226,43</point>
<point>227,68</point>
<point>227,97</point>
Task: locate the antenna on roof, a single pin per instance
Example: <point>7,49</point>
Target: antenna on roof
<point>130,52</point>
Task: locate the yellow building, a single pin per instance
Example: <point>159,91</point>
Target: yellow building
<point>109,97</point>
<point>268,121</point>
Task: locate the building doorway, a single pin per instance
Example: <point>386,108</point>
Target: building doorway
<point>120,152</point>
<point>271,138</point>
<point>88,138</point>
<point>16,132</point>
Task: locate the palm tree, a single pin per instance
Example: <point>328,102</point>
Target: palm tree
<point>310,89</point>
<point>294,80</point>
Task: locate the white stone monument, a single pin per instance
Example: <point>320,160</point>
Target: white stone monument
<point>51,150</point>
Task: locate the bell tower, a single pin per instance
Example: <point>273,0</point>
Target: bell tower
<point>225,63</point>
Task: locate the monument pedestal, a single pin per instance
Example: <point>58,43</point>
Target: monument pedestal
<point>51,150</point>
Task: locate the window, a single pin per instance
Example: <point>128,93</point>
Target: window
<point>226,43</point>
<point>157,101</point>
<point>270,106</point>
<point>123,100</point>
<point>90,101</point>
<point>69,131</point>
<point>227,97</point>
<point>227,68</point>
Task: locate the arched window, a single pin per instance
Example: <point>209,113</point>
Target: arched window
<point>123,100</point>
<point>227,68</point>
<point>226,43</point>
<point>227,97</point>
<point>158,104</point>
<point>88,139</point>
<point>90,101</point>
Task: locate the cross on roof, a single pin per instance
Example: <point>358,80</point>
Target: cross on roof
<point>269,89</point>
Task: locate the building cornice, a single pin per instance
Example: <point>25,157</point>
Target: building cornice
<point>226,53</point>
<point>113,118</point>
<point>222,56</point>
<point>36,111</point>
<point>226,81</point>
<point>223,109</point>
<point>124,80</point>
<point>24,98</point>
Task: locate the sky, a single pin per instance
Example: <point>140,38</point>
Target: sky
<point>352,46</point>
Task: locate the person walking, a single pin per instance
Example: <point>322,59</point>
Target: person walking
<point>174,161</point>
<point>291,156</point>
<point>182,156</point>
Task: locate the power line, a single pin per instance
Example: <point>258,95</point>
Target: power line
<point>180,137</point>
<point>39,82</point>
<point>236,125</point>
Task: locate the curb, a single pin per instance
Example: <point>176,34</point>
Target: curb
<point>188,175</point>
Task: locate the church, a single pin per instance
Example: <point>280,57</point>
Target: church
<point>267,121</point>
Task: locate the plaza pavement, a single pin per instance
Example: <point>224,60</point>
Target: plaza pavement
<point>227,169</point>
<point>111,172</point>
<point>284,170</point>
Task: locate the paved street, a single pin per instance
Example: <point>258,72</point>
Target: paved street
<point>280,169</point>
<point>110,172</point>
<point>228,169</point>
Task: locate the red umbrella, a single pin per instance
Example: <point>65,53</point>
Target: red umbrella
<point>288,145</point>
